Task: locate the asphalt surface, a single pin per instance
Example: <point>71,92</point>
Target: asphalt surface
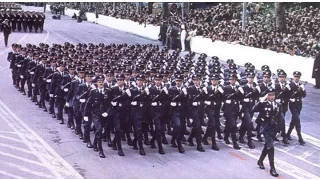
<point>33,145</point>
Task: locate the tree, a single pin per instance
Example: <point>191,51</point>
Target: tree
<point>165,10</point>
<point>280,16</point>
<point>150,7</point>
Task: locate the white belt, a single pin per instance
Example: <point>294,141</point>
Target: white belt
<point>31,72</point>
<point>18,65</point>
<point>247,100</point>
<point>156,104</point>
<point>196,103</point>
<point>294,100</point>
<point>229,101</point>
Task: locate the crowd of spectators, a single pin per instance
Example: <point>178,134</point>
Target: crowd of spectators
<point>224,22</point>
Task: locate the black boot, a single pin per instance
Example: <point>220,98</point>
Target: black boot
<point>89,145</point>
<point>101,154</point>
<point>114,144</point>
<point>129,140</point>
<point>169,130</point>
<point>262,157</point>
<point>285,140</point>
<point>141,150</point>
<point>180,147</point>
<point>134,144</point>
<point>205,138</point>
<point>250,144</point>
<point>199,146</point>
<point>146,139</point>
<point>301,141</point>
<point>259,138</point>
<point>161,151</point>
<point>241,140</point>
<point>273,171</point>
<point>152,143</point>
<point>173,142</point>
<point>214,145</point>
<point>164,139</point>
<point>289,131</point>
<point>234,141</point>
<point>95,145</point>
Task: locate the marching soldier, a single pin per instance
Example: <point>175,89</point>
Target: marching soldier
<point>282,97</point>
<point>297,92</point>
<point>251,95</point>
<point>232,94</point>
<point>98,107</point>
<point>213,100</point>
<point>196,97</point>
<point>48,75</point>
<point>269,111</point>
<point>6,31</point>
<point>138,99</point>
<point>158,95</point>
<point>177,97</point>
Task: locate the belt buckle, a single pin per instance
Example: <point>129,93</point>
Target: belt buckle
<point>120,105</point>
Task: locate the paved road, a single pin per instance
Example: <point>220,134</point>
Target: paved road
<point>33,145</point>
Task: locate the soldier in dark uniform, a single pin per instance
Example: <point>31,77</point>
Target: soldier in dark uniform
<point>98,107</point>
<point>40,82</point>
<point>297,92</point>
<point>14,19</point>
<point>48,75</point>
<point>138,100</point>
<point>57,92</point>
<point>163,32</point>
<point>41,21</point>
<point>251,95</point>
<point>282,97</point>
<point>214,95</point>
<point>118,117</point>
<point>158,96</point>
<point>196,97</point>
<point>19,21</point>
<point>269,111</point>
<point>6,31</point>
<point>25,21</point>
<point>73,100</point>
<point>66,87</point>
<point>23,71</point>
<point>83,95</point>
<point>32,68</point>
<point>30,21</point>
<point>232,94</point>
<point>316,71</point>
<point>12,59</point>
<point>177,97</point>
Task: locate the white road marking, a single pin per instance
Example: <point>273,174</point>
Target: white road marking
<point>279,164</point>
<point>8,49</point>
<point>66,39</point>
<point>11,175</point>
<point>7,132</point>
<point>45,39</point>
<point>11,139</point>
<point>22,159</point>
<point>51,160</point>
<point>25,169</point>
<point>15,148</point>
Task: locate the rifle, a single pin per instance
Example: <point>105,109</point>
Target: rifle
<point>299,89</point>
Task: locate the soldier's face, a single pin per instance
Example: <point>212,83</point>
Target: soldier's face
<point>81,75</point>
<point>108,77</point>
<point>127,76</point>
<point>72,71</point>
<point>157,82</point>
<point>61,68</point>
<point>250,80</point>
<point>53,64</point>
<point>282,79</point>
<point>271,97</point>
<point>100,84</point>
<point>89,79</point>
<point>140,82</point>
<point>120,82</point>
<point>214,82</point>
<point>232,81</point>
<point>196,82</point>
<point>296,79</point>
<point>178,83</point>
<point>266,79</point>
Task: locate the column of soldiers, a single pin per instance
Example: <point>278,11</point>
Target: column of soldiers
<point>26,21</point>
<point>138,91</point>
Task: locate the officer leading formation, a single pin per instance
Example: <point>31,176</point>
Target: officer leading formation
<point>139,93</point>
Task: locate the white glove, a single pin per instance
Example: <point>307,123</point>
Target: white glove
<point>65,89</point>
<point>104,114</point>
<point>82,100</point>
<point>154,104</point>
<point>48,80</point>
<point>33,85</point>
<point>278,100</point>
<point>165,90</point>
<point>50,95</point>
<point>205,90</point>
<point>85,118</point>
<point>134,103</point>
<point>114,103</point>
<point>263,98</point>
<point>31,72</point>
<point>128,92</point>
<point>134,84</point>
<point>195,104</point>
<point>207,103</point>
<point>302,87</point>
<point>184,90</point>
<point>173,104</point>
<point>67,104</point>
<point>220,89</point>
<point>21,76</point>
<point>147,90</point>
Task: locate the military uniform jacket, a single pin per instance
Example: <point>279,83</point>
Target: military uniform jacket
<point>119,97</point>
<point>98,103</point>
<point>38,77</point>
<point>282,93</point>
<point>250,97</point>
<point>177,97</point>
<point>73,93</point>
<point>269,114</point>
<point>55,87</point>
<point>138,97</point>
<point>66,83</point>
<point>232,98</point>
<point>296,94</point>
<point>263,88</point>
<point>195,96</point>
<point>215,95</point>
<point>157,97</point>
<point>83,94</point>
